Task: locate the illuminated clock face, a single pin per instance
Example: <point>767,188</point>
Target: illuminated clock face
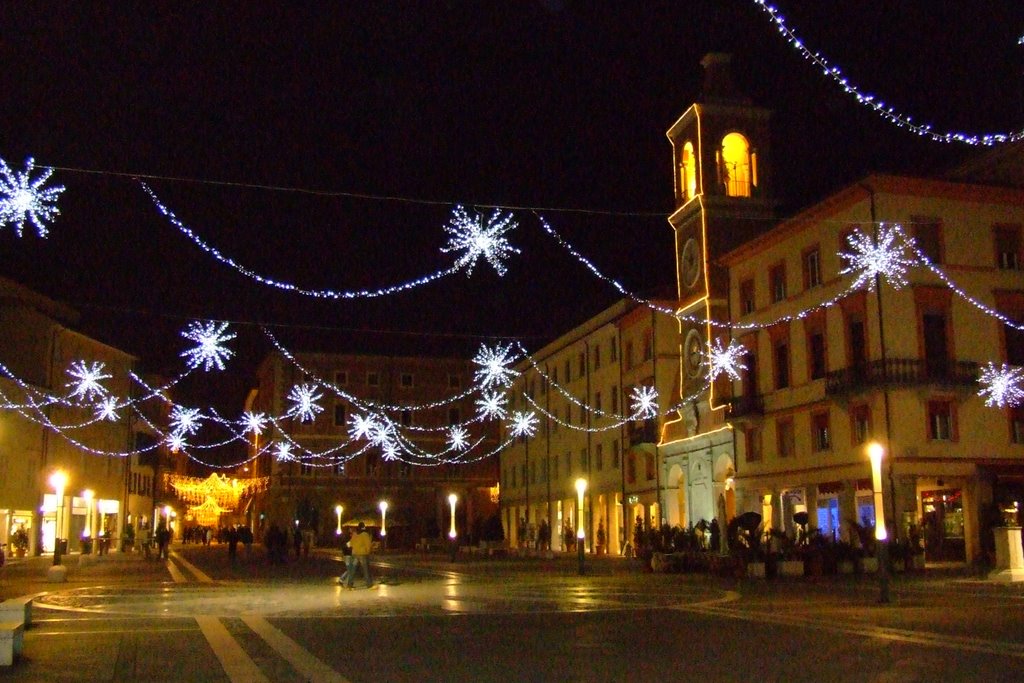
<point>689,263</point>
<point>693,354</point>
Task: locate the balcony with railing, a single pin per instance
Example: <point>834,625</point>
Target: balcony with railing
<point>902,372</point>
<point>746,407</point>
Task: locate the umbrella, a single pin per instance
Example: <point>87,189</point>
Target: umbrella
<point>749,521</point>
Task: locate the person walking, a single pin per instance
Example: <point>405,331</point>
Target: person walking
<point>361,545</point>
<point>346,554</point>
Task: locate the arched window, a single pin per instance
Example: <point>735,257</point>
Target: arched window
<point>688,172</point>
<point>736,166</point>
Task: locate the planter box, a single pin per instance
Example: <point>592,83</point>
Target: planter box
<point>791,567</point>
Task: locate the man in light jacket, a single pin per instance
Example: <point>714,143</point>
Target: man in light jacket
<point>361,545</point>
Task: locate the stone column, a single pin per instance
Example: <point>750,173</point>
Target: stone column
<point>1009,556</point>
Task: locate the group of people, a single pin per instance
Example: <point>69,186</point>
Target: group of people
<point>356,548</point>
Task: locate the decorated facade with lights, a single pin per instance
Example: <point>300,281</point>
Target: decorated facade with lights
<point>399,429</point>
<point>41,353</point>
<point>602,393</point>
<point>898,360</point>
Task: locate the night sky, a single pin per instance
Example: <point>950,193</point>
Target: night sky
<point>558,107</point>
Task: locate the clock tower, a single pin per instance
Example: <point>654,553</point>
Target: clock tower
<point>722,181</point>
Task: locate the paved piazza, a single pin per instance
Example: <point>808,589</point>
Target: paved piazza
<point>199,617</point>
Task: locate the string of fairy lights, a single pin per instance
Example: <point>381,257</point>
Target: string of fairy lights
<point>888,255</point>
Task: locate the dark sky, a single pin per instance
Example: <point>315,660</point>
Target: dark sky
<point>542,103</point>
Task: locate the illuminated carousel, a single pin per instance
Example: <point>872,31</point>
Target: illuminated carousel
<point>210,498</point>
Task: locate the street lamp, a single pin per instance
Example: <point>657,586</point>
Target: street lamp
<point>338,509</point>
<point>581,487</point>
<point>452,534</point>
<point>875,453</point>
<point>58,480</point>
<point>383,519</point>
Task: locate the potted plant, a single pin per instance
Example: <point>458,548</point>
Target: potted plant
<point>20,542</point>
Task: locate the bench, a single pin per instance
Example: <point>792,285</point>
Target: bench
<point>17,609</point>
<point>12,637</point>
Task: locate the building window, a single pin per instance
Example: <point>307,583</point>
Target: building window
<point>372,379</point>
<point>928,237</point>
<point>649,466</point>
<point>615,454</point>
<point>554,375</point>
<point>613,350</point>
<point>406,380</point>
<point>781,353</point>
<point>941,421</point>
<point>857,351</point>
<point>340,414</point>
<point>688,172</point>
<point>628,360</point>
<point>406,418</point>
<point>648,345</point>
<point>615,400</point>
<point>785,437</point>
<point>1014,340</point>
<point>816,354</point>
<point>599,457</point>
<point>812,267</point>
<point>821,434</point>
<point>631,468</point>
<point>454,416</point>
<point>747,297</point>
<point>1007,245</point>
<point>454,382</point>
<point>597,403</point>
<point>860,424</point>
<point>936,345</point>
<point>597,357</point>
<point>777,282</point>
<point>341,378</point>
<point>582,362</point>
<point>1017,425</point>
<point>753,438</point>
<point>568,371</point>
<point>735,166</point>
<point>584,463</point>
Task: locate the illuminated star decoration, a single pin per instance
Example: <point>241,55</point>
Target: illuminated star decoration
<point>304,402</point>
<point>107,409</point>
<point>1000,385</point>
<point>725,360</point>
<point>87,380</point>
<point>360,426</point>
<point>476,238</point>
<point>645,402</point>
<point>176,442</point>
<point>494,366</point>
<point>389,451</point>
<point>254,422</point>
<point>524,423</point>
<point>886,257</point>
<point>458,439</point>
<point>184,420</point>
<point>22,198</point>
<point>492,405</point>
<point>211,351</point>
<point>382,433</point>
<point>283,451</point>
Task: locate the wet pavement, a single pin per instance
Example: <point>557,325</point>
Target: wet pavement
<point>203,617</point>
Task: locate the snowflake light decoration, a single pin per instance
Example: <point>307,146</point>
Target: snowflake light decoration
<point>360,426</point>
<point>524,424</point>
<point>1001,385</point>
<point>254,422</point>
<point>176,442</point>
<point>478,238</point>
<point>283,451</point>
<point>107,408</point>
<point>492,405</point>
<point>87,378</point>
<point>211,351</point>
<point>886,256</point>
<point>725,360</point>
<point>458,439</point>
<point>184,420</point>
<point>382,433</point>
<point>390,451</point>
<point>304,399</point>
<point>494,368</point>
<point>23,199</point>
<point>644,402</point>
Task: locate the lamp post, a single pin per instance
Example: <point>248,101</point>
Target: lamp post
<point>452,534</point>
<point>383,520</point>
<point>875,453</point>
<point>58,480</point>
<point>87,535</point>
<point>581,487</point>
<point>338,509</point>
